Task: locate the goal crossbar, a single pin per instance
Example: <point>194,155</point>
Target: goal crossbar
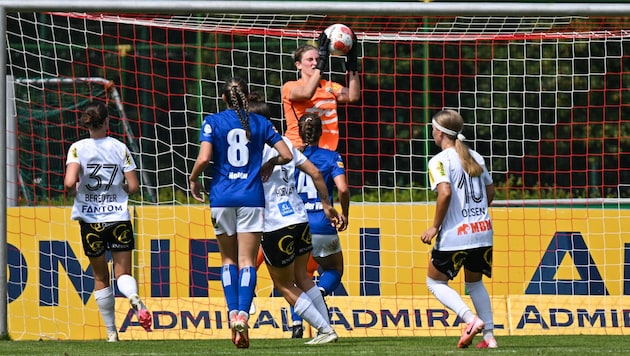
<point>317,7</point>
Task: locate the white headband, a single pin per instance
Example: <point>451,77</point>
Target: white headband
<point>448,131</point>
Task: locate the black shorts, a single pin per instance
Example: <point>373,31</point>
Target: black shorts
<point>113,236</point>
<point>475,260</point>
<point>281,246</point>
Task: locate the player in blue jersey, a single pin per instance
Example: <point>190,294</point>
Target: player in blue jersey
<point>101,172</point>
<point>326,244</point>
<point>461,179</point>
<point>234,140</point>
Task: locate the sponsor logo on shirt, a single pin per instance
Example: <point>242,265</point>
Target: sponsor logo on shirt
<point>103,209</point>
<point>285,208</point>
<point>474,227</point>
<point>237,175</point>
<point>314,206</point>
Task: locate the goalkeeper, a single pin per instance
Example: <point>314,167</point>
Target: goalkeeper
<point>313,94</point>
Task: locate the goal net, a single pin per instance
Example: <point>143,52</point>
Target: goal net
<point>545,101</point>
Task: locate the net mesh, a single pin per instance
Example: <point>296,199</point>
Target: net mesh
<point>543,99</point>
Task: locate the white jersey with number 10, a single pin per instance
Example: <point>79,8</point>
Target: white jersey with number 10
<point>467,223</point>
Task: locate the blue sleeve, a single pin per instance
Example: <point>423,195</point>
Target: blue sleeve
<point>206,130</point>
<point>271,135</point>
<point>338,167</point>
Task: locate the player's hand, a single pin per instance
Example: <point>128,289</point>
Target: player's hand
<point>196,188</point>
<point>352,64</point>
<point>266,169</point>
<point>342,223</point>
<point>323,43</point>
<point>428,235</point>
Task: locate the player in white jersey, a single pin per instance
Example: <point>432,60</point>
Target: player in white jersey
<point>286,241</point>
<point>101,172</point>
<point>462,227</point>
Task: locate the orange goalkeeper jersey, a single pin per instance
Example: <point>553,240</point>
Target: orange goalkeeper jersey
<point>323,103</point>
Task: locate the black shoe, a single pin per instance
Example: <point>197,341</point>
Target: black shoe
<point>298,331</point>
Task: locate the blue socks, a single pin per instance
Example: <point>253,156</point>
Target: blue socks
<point>229,280</point>
<point>329,280</point>
<point>246,286</point>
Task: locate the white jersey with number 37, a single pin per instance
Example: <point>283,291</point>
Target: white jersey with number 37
<point>467,223</point>
<point>100,196</point>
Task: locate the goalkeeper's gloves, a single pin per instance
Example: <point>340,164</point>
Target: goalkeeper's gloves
<point>352,64</point>
<point>323,43</point>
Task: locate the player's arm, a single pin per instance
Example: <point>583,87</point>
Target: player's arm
<point>305,92</point>
<point>490,193</point>
<point>71,178</point>
<point>441,207</point>
<point>132,185</point>
<point>352,93</point>
<point>284,156</point>
<point>203,158</point>
<point>343,191</point>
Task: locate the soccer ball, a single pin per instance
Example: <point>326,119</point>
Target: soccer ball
<point>341,38</point>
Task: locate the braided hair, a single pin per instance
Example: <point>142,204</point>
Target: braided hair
<point>310,126</point>
<point>236,92</point>
<point>94,115</point>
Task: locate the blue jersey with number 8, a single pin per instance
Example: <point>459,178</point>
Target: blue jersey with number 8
<point>236,178</point>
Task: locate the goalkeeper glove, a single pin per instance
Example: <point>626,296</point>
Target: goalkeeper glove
<point>323,43</point>
<point>352,64</point>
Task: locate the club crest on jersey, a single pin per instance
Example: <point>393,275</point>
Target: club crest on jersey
<point>441,169</point>
<point>285,175</point>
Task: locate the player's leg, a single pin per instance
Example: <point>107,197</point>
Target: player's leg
<point>284,280</point>
<point>260,259</point>
<point>327,253</point>
<point>478,264</point>
<point>122,243</point>
<point>104,295</point>
<point>225,231</point>
<point>229,279</point>
<point>95,249</point>
<point>442,267</point>
<point>128,286</point>
<point>304,280</point>
<point>248,245</point>
<point>332,271</point>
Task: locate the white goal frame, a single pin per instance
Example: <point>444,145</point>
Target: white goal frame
<point>251,7</point>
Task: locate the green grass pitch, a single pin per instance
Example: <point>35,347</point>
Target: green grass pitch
<point>398,346</point>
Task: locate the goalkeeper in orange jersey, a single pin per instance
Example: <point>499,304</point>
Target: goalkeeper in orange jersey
<point>313,94</point>
<point>463,184</point>
<point>101,172</point>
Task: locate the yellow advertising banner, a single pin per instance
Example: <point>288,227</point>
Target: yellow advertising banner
<point>555,270</point>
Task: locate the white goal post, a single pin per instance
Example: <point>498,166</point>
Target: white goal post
<point>484,9</point>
